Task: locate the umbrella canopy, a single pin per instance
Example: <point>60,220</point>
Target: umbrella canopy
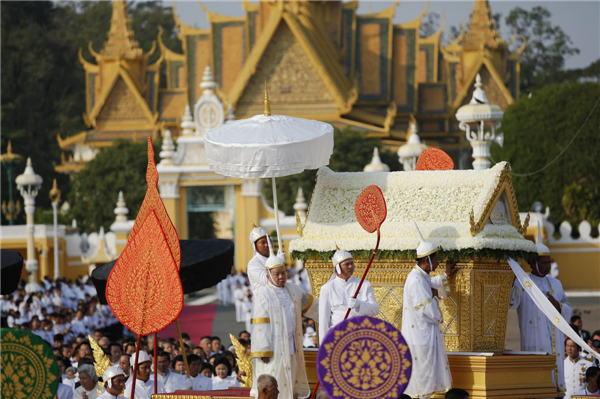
<point>12,264</point>
<point>268,146</point>
<point>204,263</point>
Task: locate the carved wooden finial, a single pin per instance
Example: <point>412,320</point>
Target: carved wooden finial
<point>267,104</point>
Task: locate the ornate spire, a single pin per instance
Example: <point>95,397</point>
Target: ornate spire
<point>376,165</point>
<point>300,206</point>
<point>187,122</point>
<point>121,210</point>
<point>168,149</point>
<point>121,43</point>
<point>481,28</point>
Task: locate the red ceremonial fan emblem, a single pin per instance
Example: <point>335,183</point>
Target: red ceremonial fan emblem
<point>144,288</point>
<point>434,159</point>
<point>370,209</point>
<point>153,202</point>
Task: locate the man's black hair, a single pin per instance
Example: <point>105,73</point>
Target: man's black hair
<point>225,361</point>
<point>574,318</point>
<point>193,358</point>
<point>185,336</point>
<point>178,358</point>
<point>457,393</point>
<point>85,360</point>
<point>206,337</point>
<point>242,332</point>
<point>111,344</point>
<point>214,339</point>
<point>59,337</point>
<point>208,366</point>
<point>591,372</point>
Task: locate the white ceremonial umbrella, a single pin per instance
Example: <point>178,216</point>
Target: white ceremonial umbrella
<point>268,146</point>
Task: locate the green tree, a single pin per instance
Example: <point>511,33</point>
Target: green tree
<point>351,152</point>
<point>547,46</point>
<point>537,130</point>
<point>95,189</point>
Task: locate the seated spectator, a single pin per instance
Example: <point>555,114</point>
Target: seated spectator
<point>222,376</point>
<point>207,370</point>
<point>89,383</point>
<point>198,381</point>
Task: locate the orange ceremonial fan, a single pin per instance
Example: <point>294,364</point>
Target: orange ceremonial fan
<point>144,288</point>
<point>153,202</point>
<point>434,159</point>
<point>370,209</point>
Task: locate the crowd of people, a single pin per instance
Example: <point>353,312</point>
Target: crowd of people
<point>65,312</point>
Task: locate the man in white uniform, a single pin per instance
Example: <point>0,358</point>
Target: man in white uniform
<point>337,295</point>
<point>421,319</point>
<point>277,331</point>
<point>144,386</point>
<point>538,334</point>
<point>114,382</point>
<point>575,368</point>
<point>171,380</point>
<point>259,237</point>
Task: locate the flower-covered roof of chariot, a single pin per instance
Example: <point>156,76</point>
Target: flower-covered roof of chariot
<point>455,210</point>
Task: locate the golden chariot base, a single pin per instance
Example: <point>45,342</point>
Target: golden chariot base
<point>474,315</point>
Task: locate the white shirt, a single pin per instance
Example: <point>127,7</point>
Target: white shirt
<point>219,383</point>
<point>106,395</point>
<point>257,274</point>
<point>201,383</point>
<point>290,314</point>
<point>93,394</point>
<point>584,392</point>
<point>171,381</point>
<point>64,392</point>
<point>575,374</point>
<point>333,302</point>
<point>143,390</point>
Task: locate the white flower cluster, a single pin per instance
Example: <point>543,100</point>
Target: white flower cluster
<point>441,202</point>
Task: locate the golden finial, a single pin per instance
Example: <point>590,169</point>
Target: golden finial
<point>267,104</point>
<point>298,224</point>
<point>336,247</point>
<point>55,193</point>
<point>9,156</point>
<point>244,362</point>
<point>101,361</point>
<point>253,225</point>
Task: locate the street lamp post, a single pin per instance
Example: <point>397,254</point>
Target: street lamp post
<point>55,198</point>
<point>481,112</point>
<point>9,160</point>
<point>409,152</point>
<point>29,184</point>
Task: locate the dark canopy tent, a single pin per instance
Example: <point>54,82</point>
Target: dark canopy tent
<point>204,263</point>
<point>12,265</point>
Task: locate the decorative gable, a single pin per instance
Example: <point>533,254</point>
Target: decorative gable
<point>295,86</point>
<point>122,106</point>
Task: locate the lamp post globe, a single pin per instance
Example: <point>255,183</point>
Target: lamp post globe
<point>484,115</point>
<point>29,184</point>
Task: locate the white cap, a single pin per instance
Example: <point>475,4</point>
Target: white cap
<point>542,250</point>
<point>274,261</point>
<point>144,357</point>
<point>340,256</point>
<point>111,373</point>
<point>425,248</point>
<point>257,233</point>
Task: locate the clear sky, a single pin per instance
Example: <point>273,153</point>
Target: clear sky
<point>579,19</point>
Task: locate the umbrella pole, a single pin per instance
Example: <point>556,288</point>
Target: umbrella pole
<point>185,362</point>
<point>280,249</point>
<point>135,365</point>
<point>155,363</point>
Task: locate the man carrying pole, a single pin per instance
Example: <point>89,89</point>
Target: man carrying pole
<point>337,295</point>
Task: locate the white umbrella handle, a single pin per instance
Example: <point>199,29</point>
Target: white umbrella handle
<point>279,250</point>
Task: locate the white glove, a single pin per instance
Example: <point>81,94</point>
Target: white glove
<point>354,303</point>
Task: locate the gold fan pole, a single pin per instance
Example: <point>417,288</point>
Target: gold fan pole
<point>185,362</point>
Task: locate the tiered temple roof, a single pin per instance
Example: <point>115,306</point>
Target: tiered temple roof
<point>321,60</point>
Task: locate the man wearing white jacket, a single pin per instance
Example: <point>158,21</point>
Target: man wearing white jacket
<point>421,319</point>
<point>337,295</point>
<point>538,334</point>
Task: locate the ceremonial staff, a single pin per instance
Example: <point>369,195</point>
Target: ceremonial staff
<point>370,211</point>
